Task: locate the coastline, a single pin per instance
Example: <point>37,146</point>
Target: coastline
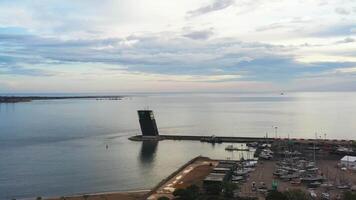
<point>133,194</point>
<point>119,195</point>
<point>18,99</point>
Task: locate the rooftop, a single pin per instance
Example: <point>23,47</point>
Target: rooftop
<point>349,159</point>
<point>215,177</point>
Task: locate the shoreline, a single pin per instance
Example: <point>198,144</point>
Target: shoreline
<point>137,194</point>
<point>18,99</point>
<point>140,192</point>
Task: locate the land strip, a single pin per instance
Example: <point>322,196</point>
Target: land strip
<point>131,195</point>
<point>17,99</point>
<point>192,173</point>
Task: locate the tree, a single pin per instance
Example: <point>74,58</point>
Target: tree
<point>213,188</point>
<point>179,192</point>
<point>229,188</point>
<point>275,195</point>
<point>353,143</point>
<point>296,195</point>
<point>190,193</point>
<point>349,196</point>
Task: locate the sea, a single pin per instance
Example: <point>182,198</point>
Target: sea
<point>53,148</point>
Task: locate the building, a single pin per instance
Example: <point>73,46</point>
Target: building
<point>213,183</point>
<point>230,166</point>
<point>348,161</point>
<point>147,123</point>
<point>221,170</point>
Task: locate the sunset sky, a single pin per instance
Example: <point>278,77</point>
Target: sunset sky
<point>181,45</point>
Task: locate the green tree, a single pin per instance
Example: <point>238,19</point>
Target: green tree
<point>190,193</point>
<point>353,143</point>
<point>275,195</point>
<point>179,192</point>
<point>349,196</point>
<point>296,195</point>
<point>213,189</point>
<point>229,188</point>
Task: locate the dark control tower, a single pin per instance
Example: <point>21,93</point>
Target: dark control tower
<point>147,123</point>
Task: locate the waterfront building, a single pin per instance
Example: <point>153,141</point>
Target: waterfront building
<point>348,161</point>
<point>213,183</point>
<point>147,123</point>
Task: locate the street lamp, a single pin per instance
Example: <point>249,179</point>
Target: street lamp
<point>275,130</point>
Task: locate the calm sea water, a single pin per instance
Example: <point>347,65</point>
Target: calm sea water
<point>58,147</point>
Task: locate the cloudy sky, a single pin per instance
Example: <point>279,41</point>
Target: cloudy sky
<point>180,45</point>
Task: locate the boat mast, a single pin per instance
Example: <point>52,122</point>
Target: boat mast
<point>314,147</point>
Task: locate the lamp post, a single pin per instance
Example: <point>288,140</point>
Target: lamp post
<point>275,131</point>
<point>316,137</point>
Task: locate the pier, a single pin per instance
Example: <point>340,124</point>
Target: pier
<point>226,139</point>
<point>150,132</point>
<point>211,139</point>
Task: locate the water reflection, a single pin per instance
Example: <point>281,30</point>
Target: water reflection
<point>148,152</point>
<point>7,107</point>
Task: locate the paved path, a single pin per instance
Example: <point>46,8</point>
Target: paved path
<point>194,172</point>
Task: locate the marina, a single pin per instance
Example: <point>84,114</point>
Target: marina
<point>177,100</point>
<point>86,137</point>
<point>321,174</point>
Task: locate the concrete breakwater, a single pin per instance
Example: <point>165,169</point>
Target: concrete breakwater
<point>221,139</point>
<point>217,139</point>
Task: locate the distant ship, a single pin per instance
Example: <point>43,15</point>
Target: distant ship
<point>282,93</point>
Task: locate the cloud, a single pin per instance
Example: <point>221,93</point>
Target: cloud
<point>23,71</point>
<point>348,70</point>
<point>157,54</point>
<point>271,27</point>
<point>216,5</point>
<point>325,83</point>
<point>292,23</point>
<point>342,11</point>
<point>198,78</point>
<point>346,40</point>
<point>221,41</point>
<point>332,30</point>
<point>199,35</point>
<point>219,59</point>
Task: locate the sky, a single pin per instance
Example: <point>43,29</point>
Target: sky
<point>177,46</point>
